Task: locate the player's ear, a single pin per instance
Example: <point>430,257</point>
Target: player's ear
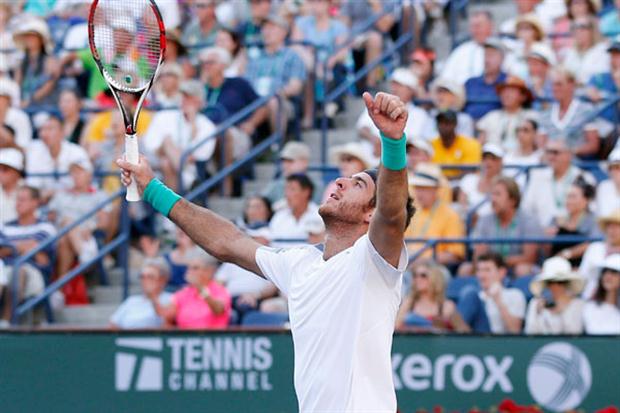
<point>368,215</point>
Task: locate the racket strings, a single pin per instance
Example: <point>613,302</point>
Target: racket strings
<point>127,37</point>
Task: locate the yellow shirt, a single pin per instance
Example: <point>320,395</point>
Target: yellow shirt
<point>100,123</point>
<point>440,221</point>
<point>464,151</point>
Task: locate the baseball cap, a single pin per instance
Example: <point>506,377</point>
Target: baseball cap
<point>83,163</point>
<point>12,158</point>
<point>295,150</point>
<point>541,51</point>
<point>192,87</point>
<point>495,43</point>
<point>405,77</point>
<point>493,149</point>
<point>615,45</point>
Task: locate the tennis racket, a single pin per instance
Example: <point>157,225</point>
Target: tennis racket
<point>127,39</point>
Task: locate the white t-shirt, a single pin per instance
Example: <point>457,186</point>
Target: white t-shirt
<point>607,198</point>
<point>469,186</point>
<point>601,318</point>
<point>513,299</point>
<point>546,321</point>
<point>466,61</point>
<point>342,314</point>
<point>39,160</point>
<point>19,121</point>
<point>284,225</point>
<point>7,205</point>
<point>595,60</point>
<point>589,268</point>
<point>137,311</point>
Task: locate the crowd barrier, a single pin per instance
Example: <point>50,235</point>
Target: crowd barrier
<point>252,371</point>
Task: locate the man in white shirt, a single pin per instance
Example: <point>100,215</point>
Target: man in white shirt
<point>13,116</point>
<point>467,60</point>
<point>342,301</point>
<point>173,131</point>
<point>11,173</point>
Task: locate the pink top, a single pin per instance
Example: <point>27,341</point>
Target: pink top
<point>193,310</point>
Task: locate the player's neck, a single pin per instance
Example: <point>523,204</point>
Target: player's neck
<point>340,238</point>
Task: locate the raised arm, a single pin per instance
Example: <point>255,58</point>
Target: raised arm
<point>387,226</point>
<point>215,234</point>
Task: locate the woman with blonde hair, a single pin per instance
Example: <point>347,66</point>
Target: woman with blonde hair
<point>427,300</point>
<point>588,56</point>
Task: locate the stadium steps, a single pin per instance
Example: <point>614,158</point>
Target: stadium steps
<point>230,208</point>
<point>112,294</point>
<point>91,315</point>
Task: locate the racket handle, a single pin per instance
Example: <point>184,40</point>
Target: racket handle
<point>132,156</point>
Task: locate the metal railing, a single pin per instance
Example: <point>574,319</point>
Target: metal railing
<point>19,309</point>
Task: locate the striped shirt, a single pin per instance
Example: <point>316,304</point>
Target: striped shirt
<point>13,232</point>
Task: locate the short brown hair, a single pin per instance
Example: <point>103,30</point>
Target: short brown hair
<point>512,188</point>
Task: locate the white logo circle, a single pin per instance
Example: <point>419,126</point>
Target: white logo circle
<point>559,377</point>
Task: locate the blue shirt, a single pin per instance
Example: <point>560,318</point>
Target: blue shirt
<point>604,82</point>
<point>609,24</point>
<point>269,73</point>
<point>177,272</point>
<point>137,311</point>
<point>477,89</point>
<point>233,95</point>
<point>324,39</point>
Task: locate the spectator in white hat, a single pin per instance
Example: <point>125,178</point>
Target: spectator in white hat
<point>562,313</point>
<point>12,116</point>
<point>540,61</point>
<point>11,174</point>
<point>351,158</point>
<point>608,191</point>
<point>69,205</point>
<point>404,84</point>
<point>601,314</point>
<point>173,131</point>
<point>448,95</point>
<point>167,93</point>
<point>475,188</point>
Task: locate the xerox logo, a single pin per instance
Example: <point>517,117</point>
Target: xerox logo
<point>138,370</point>
<point>193,364</point>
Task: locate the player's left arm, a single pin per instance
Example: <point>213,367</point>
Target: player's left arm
<point>387,225</point>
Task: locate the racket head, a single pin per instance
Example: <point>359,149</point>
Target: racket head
<point>127,40</point>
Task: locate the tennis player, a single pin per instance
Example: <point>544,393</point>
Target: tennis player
<point>342,300</point>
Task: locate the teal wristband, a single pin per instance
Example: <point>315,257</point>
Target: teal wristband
<point>393,152</point>
<point>160,196</point>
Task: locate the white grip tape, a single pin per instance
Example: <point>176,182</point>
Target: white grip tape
<point>132,156</point>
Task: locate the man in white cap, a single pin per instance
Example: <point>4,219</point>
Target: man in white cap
<point>540,61</point>
<point>173,131</point>
<point>404,84</point>
<point>475,188</point>
<point>11,174</point>
<point>608,191</point>
<point>12,116</point>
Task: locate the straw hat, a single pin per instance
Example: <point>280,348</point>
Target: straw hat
<point>456,89</point>
<point>533,21</point>
<point>426,175</point>
<point>613,218</point>
<point>354,149</point>
<point>36,26</point>
<point>514,81</point>
<point>557,269</point>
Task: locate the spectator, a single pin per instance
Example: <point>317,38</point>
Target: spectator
<point>11,174</point>
<point>202,28</point>
<point>67,206</point>
<point>403,84</point>
<point>500,126</point>
<point>434,218</point>
<point>289,223</point>
<point>38,73</point>
<point>295,158</point>
<point>588,56</point>
<point>176,52</point>
<point>351,158</point>
<point>174,131</point>
<point>427,299</point>
<point>601,314</point>
<point>540,60</point>
<point>369,42</point>
<point>137,311</point>
<point>25,234</point>
<point>494,308</point>
<point>256,214</point>
<point>508,221</point>
<point>610,22</point>
<point>423,66</point>
<point>326,34</point>
<point>51,154</point>
<point>546,199</point>
<point>277,69</point>
<point>9,55</point>
<point>526,152</point>
<point>608,192</point>
<point>524,7</point>
<point>448,95</point>
<point>579,221</point>
<point>178,258</point>
<point>167,93</point>
<point>251,30</point>
<point>481,90</point>
<point>418,151</point>
<point>605,85</point>
<point>203,303</point>
<point>566,118</point>
<point>598,251</point>
<point>529,33</point>
<point>70,105</point>
<point>231,41</point>
<point>475,188</point>
<point>561,314</point>
<point>14,117</point>
<point>575,9</point>
<point>467,60</point>
<point>451,148</point>
<point>8,87</point>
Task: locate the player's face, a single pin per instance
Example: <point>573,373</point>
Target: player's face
<point>351,201</point>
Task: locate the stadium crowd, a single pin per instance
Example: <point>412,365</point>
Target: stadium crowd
<point>511,146</point>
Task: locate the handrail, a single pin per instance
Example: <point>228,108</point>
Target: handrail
<point>221,128</point>
<point>120,239</point>
<point>455,8</point>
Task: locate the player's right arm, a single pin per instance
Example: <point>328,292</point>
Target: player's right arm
<point>215,234</point>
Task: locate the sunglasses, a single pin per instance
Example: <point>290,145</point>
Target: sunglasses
<point>553,152</point>
<point>420,274</point>
<point>582,26</point>
<point>525,129</point>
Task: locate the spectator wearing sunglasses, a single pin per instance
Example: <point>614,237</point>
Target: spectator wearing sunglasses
<point>601,315</point>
